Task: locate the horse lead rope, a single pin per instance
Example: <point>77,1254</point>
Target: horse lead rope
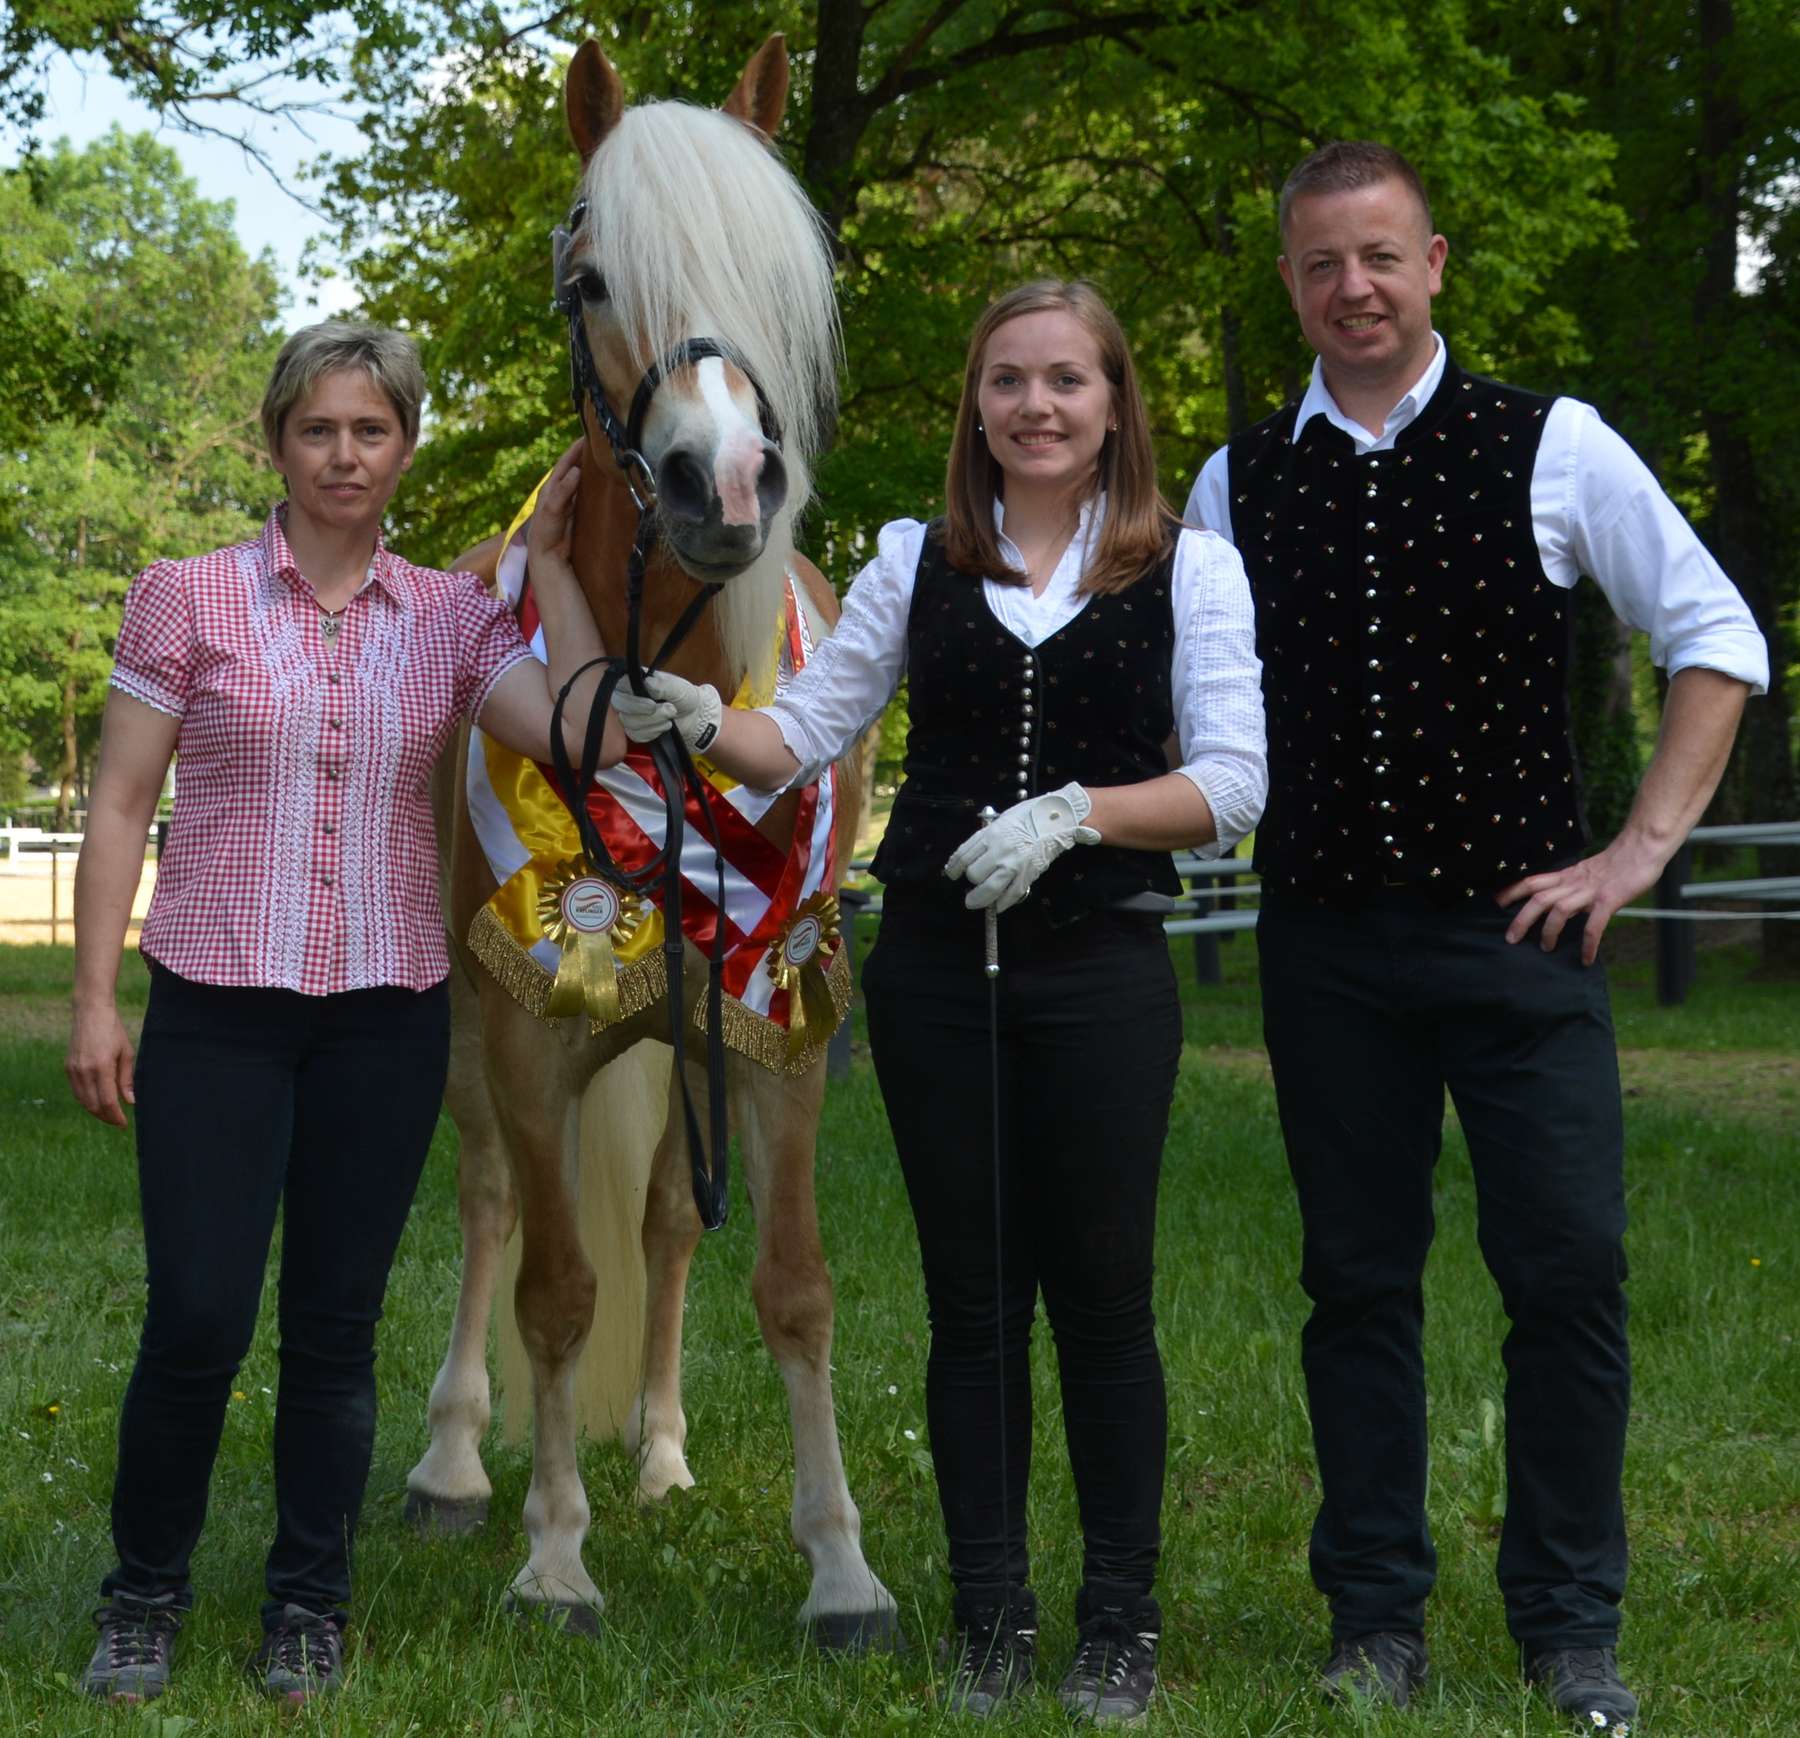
<point>669,754</point>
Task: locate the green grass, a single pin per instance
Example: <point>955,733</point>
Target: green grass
<point>699,1634</point>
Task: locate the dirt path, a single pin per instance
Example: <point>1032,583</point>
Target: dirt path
<point>1758,1085</point>
<point>25,903</point>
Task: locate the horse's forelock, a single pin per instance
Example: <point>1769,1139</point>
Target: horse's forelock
<point>692,218</point>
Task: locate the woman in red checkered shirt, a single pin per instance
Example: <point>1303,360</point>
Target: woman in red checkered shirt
<point>294,1049</point>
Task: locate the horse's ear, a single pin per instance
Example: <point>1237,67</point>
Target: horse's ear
<point>593,98</point>
<point>761,94</point>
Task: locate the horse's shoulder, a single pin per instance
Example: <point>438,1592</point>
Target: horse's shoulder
<point>483,560</point>
<point>818,590</point>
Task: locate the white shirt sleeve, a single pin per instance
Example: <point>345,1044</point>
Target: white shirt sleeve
<point>855,669</point>
<point>1209,501</point>
<point>1218,685</point>
<point>1597,509</point>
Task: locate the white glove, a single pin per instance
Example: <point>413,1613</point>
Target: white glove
<point>691,710</point>
<point>1010,853</point>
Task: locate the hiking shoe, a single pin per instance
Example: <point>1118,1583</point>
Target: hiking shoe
<point>302,1656</point>
<point>131,1659</point>
<point>997,1642</point>
<point>1113,1675</point>
<point>1386,1666</point>
<point>1584,1682</point>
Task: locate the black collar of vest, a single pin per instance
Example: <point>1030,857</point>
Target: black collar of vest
<point>1436,409</point>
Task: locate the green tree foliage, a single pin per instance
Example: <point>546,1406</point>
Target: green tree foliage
<point>164,458</point>
<point>203,65</point>
<point>1694,336</point>
<point>956,149</point>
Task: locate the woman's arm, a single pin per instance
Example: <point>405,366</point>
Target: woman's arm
<point>1162,814</point>
<point>849,679</point>
<point>136,745</point>
<point>519,707</point>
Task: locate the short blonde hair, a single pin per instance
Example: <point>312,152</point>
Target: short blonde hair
<point>389,358</point>
<point>1139,524</point>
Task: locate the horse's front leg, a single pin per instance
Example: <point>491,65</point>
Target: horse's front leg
<point>656,1431</point>
<point>846,1607</point>
<point>448,1491</point>
<point>539,1112</point>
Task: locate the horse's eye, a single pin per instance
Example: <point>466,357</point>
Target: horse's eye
<point>590,285</point>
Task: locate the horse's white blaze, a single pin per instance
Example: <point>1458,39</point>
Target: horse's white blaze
<point>738,457</point>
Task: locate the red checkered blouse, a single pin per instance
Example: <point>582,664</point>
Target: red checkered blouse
<point>301,853</point>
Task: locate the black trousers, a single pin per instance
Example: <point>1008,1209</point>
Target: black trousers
<point>1368,1017</point>
<point>1090,1036</point>
<point>247,1100</point>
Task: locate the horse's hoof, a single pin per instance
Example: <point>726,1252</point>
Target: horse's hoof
<point>571,1617</point>
<point>858,1632</point>
<point>445,1517</point>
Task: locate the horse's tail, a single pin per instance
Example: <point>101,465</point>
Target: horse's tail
<point>622,1116</point>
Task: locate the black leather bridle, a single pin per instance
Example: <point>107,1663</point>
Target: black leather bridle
<point>668,752</point>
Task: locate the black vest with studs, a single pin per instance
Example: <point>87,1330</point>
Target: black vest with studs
<point>993,720</point>
<point>1414,653</point>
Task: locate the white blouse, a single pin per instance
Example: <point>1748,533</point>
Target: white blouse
<point>1215,678</point>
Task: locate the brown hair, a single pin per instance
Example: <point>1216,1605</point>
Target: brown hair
<point>1345,165</point>
<point>1139,524</point>
<point>389,358</point>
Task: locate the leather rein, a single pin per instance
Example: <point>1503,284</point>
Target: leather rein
<point>669,753</point>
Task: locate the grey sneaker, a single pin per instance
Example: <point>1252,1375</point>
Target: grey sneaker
<point>131,1659</point>
<point>997,1643</point>
<point>1584,1683</point>
<point>302,1656</point>
<point>1386,1666</point>
<point>1113,1675</point>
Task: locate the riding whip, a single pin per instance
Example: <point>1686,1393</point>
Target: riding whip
<point>990,926</point>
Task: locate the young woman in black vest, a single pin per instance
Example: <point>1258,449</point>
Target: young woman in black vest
<point>1066,644</point>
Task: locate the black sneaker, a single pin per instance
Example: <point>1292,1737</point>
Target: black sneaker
<point>1584,1682</point>
<point>1386,1666</point>
<point>1113,1675</point>
<point>302,1656</point>
<point>131,1659</point>
<point>997,1643</point>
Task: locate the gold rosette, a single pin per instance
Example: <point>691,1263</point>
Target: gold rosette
<point>799,962</point>
<point>587,917</point>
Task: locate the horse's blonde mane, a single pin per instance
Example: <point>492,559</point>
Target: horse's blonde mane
<point>701,231</point>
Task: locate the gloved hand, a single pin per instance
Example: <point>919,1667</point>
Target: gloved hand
<point>691,710</point>
<point>1006,856</point>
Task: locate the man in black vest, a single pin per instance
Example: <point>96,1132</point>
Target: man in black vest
<point>1429,917</point>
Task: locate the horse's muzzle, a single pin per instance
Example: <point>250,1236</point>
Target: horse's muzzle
<point>715,514</point>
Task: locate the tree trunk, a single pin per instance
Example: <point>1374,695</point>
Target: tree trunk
<point>1745,540</point>
<point>1231,326</point>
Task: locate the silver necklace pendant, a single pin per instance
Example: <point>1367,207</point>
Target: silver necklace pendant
<point>328,628</point>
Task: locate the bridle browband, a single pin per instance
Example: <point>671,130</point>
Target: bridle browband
<point>668,752</point>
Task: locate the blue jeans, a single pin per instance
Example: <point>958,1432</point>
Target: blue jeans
<point>1369,1016</point>
<point>1090,1037</point>
<point>249,1100</point>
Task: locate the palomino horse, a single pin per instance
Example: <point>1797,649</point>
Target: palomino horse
<point>686,224</point>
